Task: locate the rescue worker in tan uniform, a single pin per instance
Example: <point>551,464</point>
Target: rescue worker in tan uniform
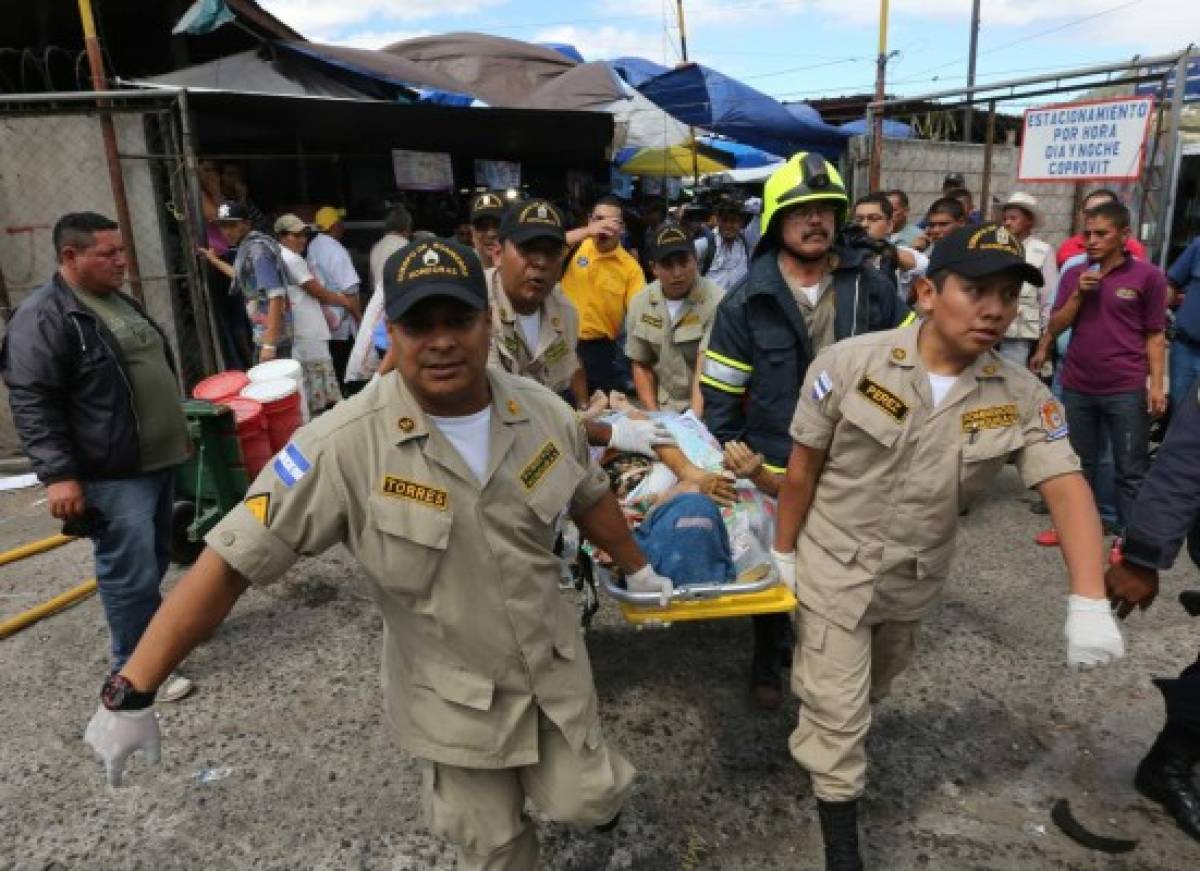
<point>535,328</point>
<point>894,433</point>
<point>444,479</point>
<point>666,323</point>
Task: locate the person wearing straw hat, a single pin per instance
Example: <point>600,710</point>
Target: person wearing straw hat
<point>1021,217</point>
<point>444,479</point>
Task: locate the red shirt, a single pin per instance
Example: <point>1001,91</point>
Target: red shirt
<point>1074,246</point>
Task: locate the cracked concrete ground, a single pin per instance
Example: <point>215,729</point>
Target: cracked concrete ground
<point>980,736</point>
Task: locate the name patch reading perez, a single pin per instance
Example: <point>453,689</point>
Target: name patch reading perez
<point>992,417</point>
<point>882,398</point>
<point>542,462</point>
<point>423,494</point>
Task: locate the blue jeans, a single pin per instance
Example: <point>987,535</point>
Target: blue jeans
<point>133,554</point>
<point>1104,488</point>
<point>1122,419</point>
<point>1184,367</point>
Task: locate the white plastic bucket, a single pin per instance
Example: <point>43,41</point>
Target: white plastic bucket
<point>275,370</point>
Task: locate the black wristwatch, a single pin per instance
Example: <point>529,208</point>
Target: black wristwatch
<point>118,694</point>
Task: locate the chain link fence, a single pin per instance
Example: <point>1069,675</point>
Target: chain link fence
<point>52,162</point>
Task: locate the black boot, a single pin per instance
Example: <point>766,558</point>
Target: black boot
<point>839,828</point>
<point>1165,776</point>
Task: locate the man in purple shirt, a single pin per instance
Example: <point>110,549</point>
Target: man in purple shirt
<point>1116,308</point>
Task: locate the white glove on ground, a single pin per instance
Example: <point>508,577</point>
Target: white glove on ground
<point>1092,634</point>
<point>785,565</point>
<point>646,580</point>
<point>114,735</point>
<point>638,436</point>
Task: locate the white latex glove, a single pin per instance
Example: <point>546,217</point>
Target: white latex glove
<point>785,565</point>
<point>638,436</point>
<point>1092,634</point>
<point>114,735</point>
<point>646,580</point>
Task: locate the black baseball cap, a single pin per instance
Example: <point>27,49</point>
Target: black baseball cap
<point>232,210</point>
<point>670,239</point>
<point>532,219</point>
<point>487,205</point>
<point>974,252</point>
<point>954,179</point>
<point>432,267</point>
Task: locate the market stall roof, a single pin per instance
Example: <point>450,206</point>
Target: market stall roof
<point>280,73</point>
<point>703,97</point>
<point>372,126</point>
<point>459,68</point>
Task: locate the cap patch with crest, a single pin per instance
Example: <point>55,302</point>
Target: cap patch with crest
<point>671,239</point>
<point>432,267</point>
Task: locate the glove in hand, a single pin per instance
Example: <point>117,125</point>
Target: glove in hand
<point>646,580</point>
<point>115,735</point>
<point>1093,638</point>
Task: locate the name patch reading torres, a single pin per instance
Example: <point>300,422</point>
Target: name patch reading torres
<point>879,396</point>
<point>422,494</point>
<point>992,417</point>
<point>542,462</point>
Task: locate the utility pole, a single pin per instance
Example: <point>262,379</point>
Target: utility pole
<point>971,68</point>
<point>108,134</point>
<point>684,55</point>
<point>875,170</point>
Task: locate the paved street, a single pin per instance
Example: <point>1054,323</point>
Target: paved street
<point>282,760</point>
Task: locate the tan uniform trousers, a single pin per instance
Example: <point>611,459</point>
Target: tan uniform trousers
<point>482,811</point>
<point>838,674</point>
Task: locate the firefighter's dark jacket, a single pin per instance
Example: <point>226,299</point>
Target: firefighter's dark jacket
<point>759,348</point>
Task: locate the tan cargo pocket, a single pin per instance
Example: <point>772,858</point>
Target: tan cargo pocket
<point>453,683</point>
<point>412,541</point>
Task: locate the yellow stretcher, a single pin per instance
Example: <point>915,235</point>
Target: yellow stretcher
<point>757,591</point>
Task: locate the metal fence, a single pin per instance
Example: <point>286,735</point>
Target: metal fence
<point>52,161</point>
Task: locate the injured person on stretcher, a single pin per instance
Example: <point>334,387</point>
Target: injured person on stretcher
<point>703,515</point>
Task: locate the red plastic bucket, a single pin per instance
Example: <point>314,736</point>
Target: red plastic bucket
<point>252,433</point>
<point>221,386</point>
<point>280,402</point>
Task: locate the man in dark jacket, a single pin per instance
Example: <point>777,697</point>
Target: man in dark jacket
<point>802,294</point>
<point>1166,512</point>
<point>95,401</point>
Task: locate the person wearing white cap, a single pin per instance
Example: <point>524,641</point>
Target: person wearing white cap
<point>1021,217</point>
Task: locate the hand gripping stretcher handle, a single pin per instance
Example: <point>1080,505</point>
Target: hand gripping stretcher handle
<point>690,593</point>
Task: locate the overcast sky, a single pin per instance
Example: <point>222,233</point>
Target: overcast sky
<point>791,49</point>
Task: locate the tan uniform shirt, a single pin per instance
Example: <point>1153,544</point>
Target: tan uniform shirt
<point>670,349</point>
<point>553,361</point>
<point>476,637</point>
<point>898,470</point>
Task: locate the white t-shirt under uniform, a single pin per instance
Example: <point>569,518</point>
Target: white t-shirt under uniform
<point>470,436</point>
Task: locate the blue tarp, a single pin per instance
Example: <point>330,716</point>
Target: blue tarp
<point>565,49</point>
<point>891,129</point>
<point>703,97</point>
<point>744,156</point>
<point>636,70</point>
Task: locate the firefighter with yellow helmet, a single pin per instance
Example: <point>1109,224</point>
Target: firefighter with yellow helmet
<point>803,292</point>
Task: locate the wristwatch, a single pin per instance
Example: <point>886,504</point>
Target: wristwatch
<point>118,694</point>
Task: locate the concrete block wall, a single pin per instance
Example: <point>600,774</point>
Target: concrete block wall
<point>918,166</point>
